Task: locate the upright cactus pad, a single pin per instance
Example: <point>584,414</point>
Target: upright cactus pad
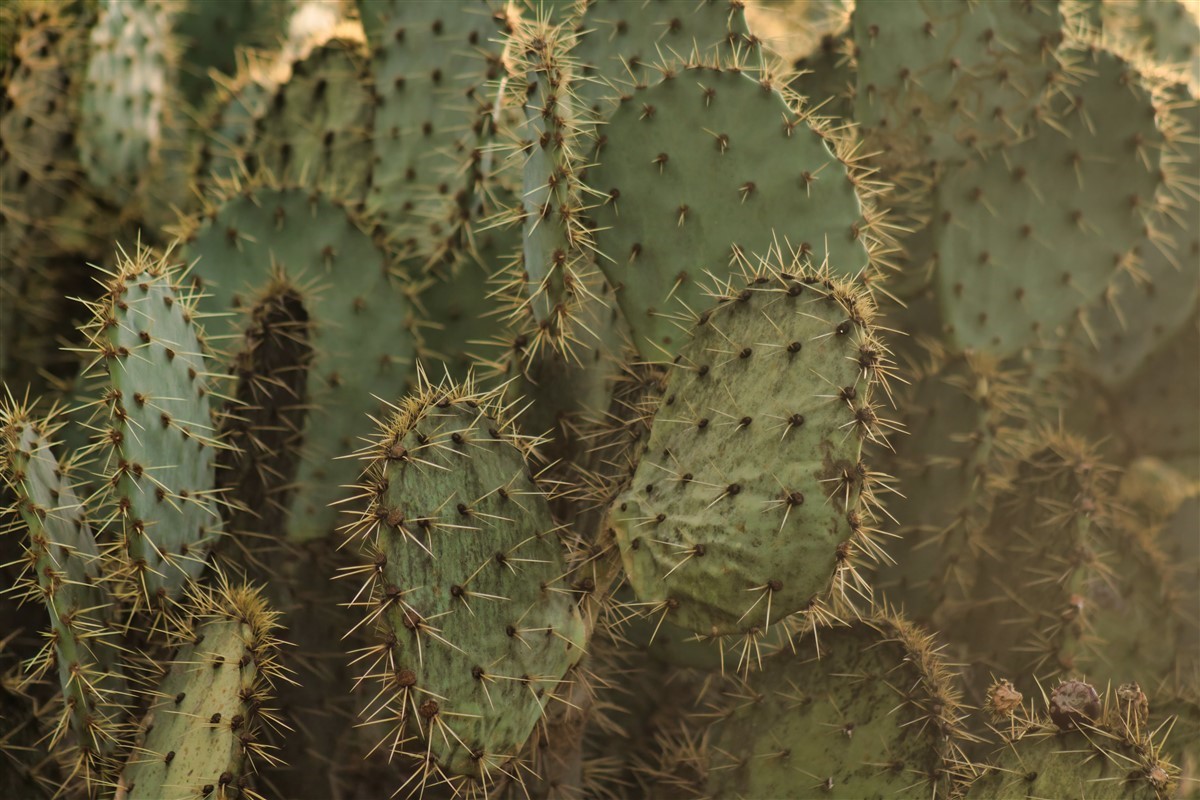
<point>431,65</point>
<point>865,711</point>
<point>685,192</point>
<point>204,727</point>
<point>62,570</point>
<point>315,131</point>
<point>357,327</point>
<point>751,501</point>
<point>940,79</point>
<point>464,585</point>
<point>153,425</point>
<point>1085,185</point>
<point>210,35</point>
<point>129,101</point>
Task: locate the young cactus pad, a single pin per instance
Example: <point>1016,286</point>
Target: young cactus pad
<point>63,572</point>
<point>748,502</point>
<point>464,585</point>
<point>204,725</point>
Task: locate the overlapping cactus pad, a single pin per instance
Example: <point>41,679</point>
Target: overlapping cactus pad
<point>603,399</point>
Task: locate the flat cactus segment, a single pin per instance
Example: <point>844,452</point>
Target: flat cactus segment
<point>557,253</point>
<point>62,564</point>
<point>1085,186</point>
<point>625,45</point>
<point>942,79</point>
<point>477,628</point>
<point>204,725</point>
<point>154,425</point>
<point>430,63</point>
<point>316,131</point>
<point>687,189</point>
<point>1098,752</point>
<point>128,103</point>
<point>358,321</point>
<point>1152,297</point>
<point>865,711</point>
<point>750,499</point>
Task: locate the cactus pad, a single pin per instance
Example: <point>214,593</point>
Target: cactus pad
<point>748,502</point>
<point>685,190</point>
<point>464,585</point>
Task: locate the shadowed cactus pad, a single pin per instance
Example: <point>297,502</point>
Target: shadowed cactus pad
<point>748,502</point>
<point>464,587</point>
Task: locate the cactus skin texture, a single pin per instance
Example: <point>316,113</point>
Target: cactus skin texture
<point>751,501</point>
<point>941,79</point>
<point>1001,222</point>
<point>205,721</point>
<point>464,585</point>
<point>562,331</point>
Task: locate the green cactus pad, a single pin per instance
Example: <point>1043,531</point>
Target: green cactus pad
<point>825,78</point>
<point>686,188</point>
<point>748,502</point>
<point>128,95</point>
<point>63,572</point>
<point>865,711</point>
<point>1107,757</point>
<point>942,79</point>
<point>205,720</point>
<point>477,626</point>
<point>1084,186</point>
<point>430,63</point>
<point>1149,301</point>
<point>623,45</point>
<point>153,425</point>
<point>316,130</point>
<point>360,320</point>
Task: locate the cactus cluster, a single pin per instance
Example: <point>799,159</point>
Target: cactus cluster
<point>597,399</point>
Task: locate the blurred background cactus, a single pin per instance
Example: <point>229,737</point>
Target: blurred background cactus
<point>600,399</point>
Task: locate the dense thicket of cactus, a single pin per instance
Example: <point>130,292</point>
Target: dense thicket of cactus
<point>599,399</point>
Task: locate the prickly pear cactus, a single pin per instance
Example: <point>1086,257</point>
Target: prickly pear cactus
<point>206,718</point>
<point>154,425</point>
<point>751,501</point>
<point>561,331</point>
<point>464,586</point>
<point>864,711</point>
